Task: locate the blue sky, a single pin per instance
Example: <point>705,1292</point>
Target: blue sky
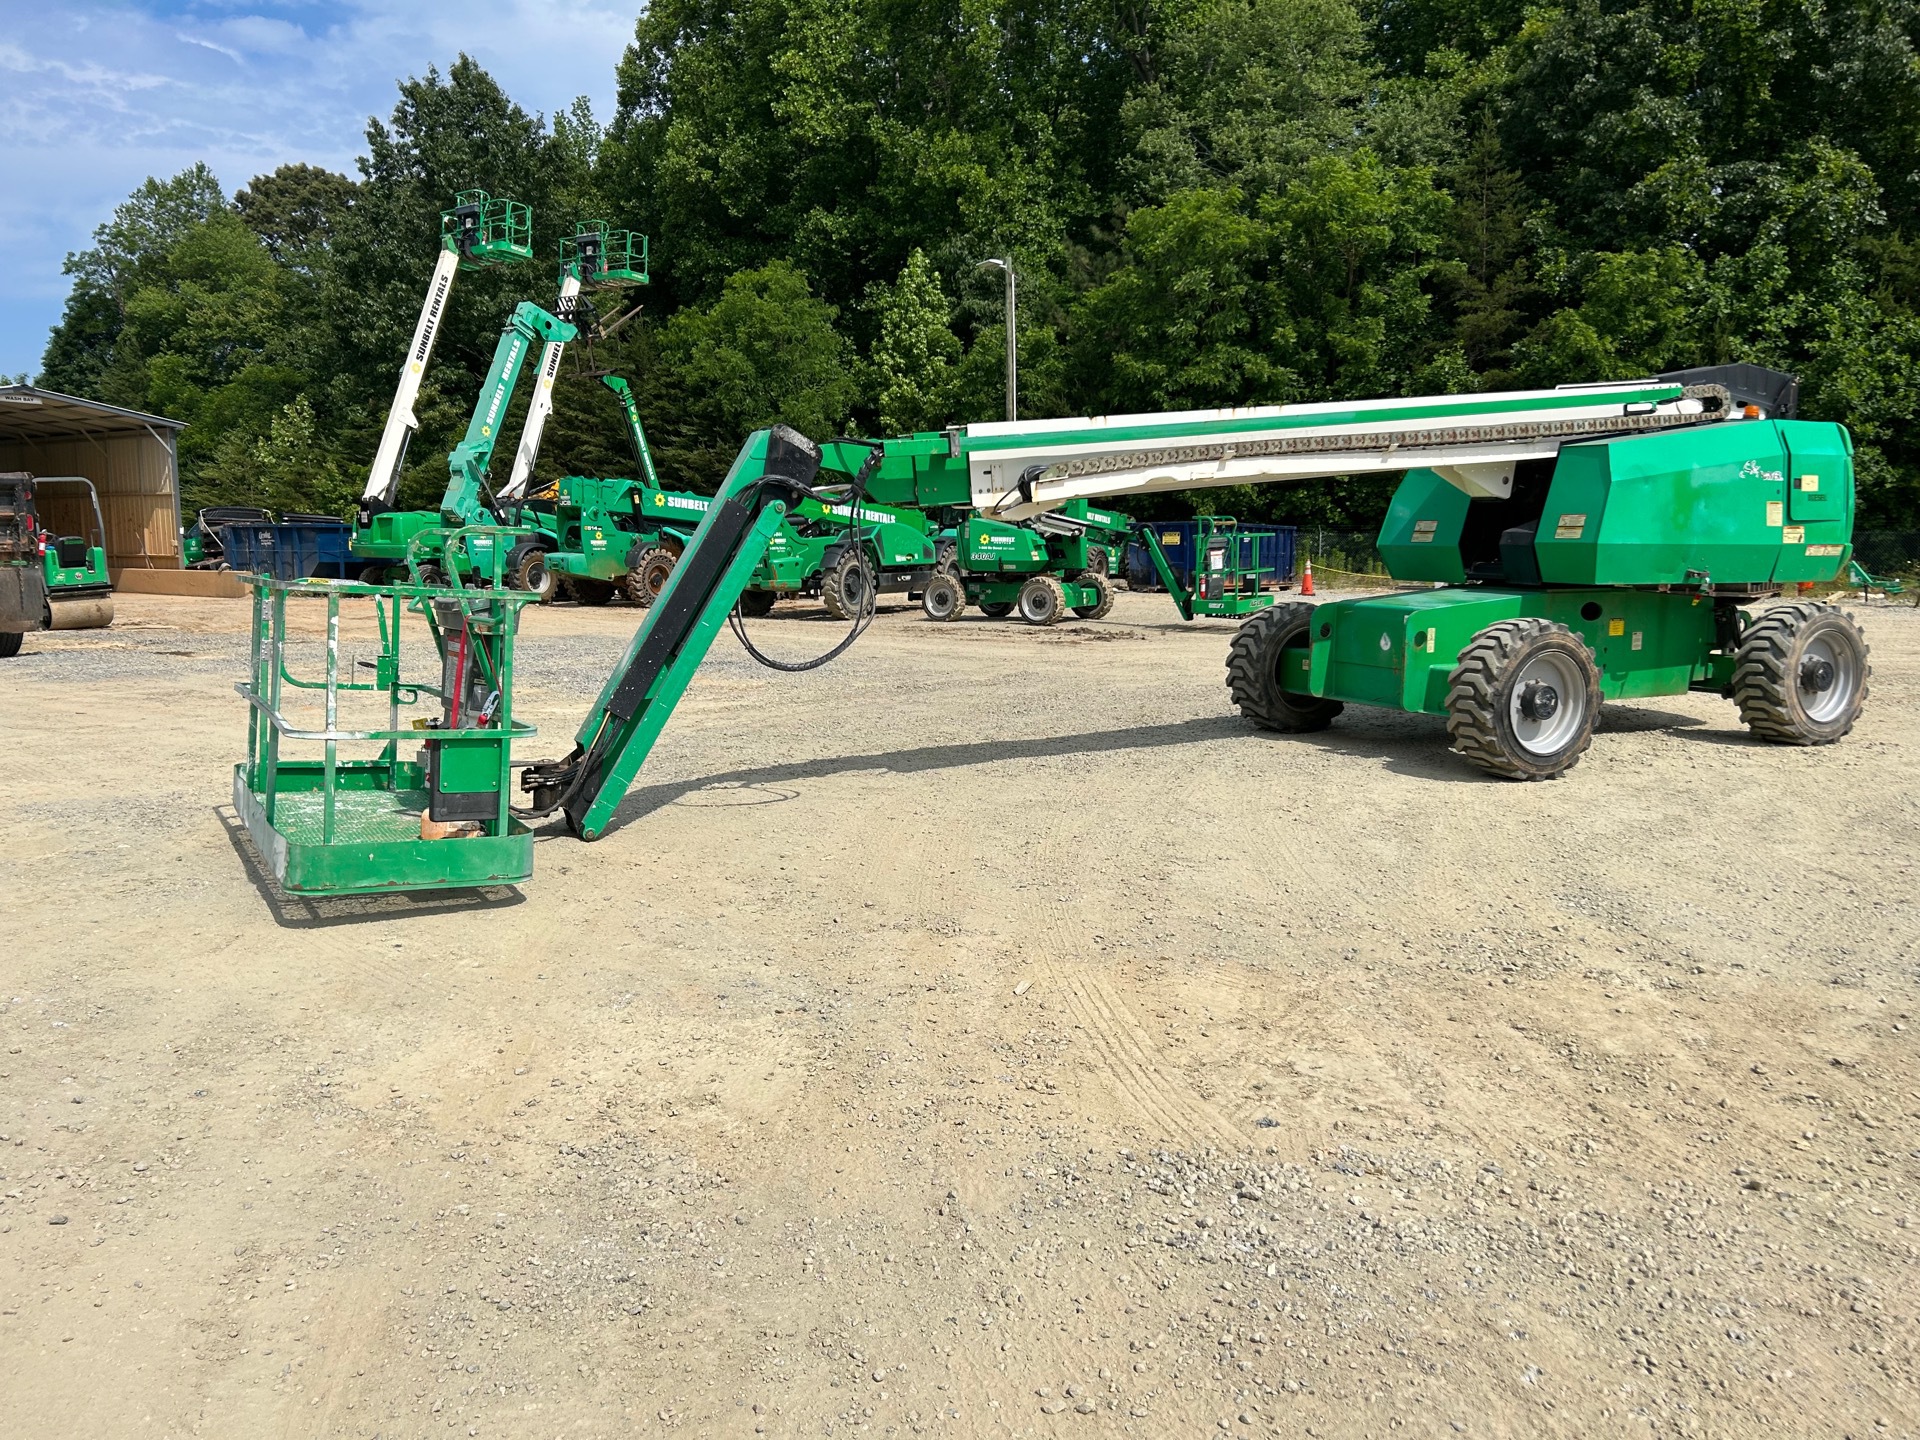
<point>94,97</point>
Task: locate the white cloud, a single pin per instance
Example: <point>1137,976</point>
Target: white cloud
<point>243,85</point>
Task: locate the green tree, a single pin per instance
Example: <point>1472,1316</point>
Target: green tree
<point>295,211</point>
<point>1355,244</point>
<point>764,351</point>
<point>1189,321</point>
<point>910,367</point>
<point>83,355</point>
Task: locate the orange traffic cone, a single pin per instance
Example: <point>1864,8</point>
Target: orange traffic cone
<point>1306,579</point>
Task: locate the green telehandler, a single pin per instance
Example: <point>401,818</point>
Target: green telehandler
<point>1590,543</point>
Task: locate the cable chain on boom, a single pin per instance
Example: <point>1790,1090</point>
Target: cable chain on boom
<point>1718,402</point>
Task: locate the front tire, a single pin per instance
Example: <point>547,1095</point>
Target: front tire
<point>1523,700</point>
<point>846,589</point>
<point>10,643</point>
<point>527,570</point>
<point>945,598</point>
<point>1800,674</point>
<point>1042,601</point>
<point>1254,676</point>
<point>756,603</point>
<point>369,574</point>
<point>1103,589</point>
<point>649,573</point>
<point>590,592</point>
<point>998,609</point>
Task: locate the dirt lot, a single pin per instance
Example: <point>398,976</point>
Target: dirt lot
<point>986,1035</point>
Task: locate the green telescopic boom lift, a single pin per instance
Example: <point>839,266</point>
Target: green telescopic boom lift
<point>1590,543</point>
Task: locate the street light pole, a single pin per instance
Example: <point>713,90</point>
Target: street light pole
<point>1013,337</point>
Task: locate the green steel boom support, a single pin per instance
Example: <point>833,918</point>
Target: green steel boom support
<point>636,432</point>
<point>529,325</point>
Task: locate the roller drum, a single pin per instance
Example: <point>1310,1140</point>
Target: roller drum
<point>90,612</point>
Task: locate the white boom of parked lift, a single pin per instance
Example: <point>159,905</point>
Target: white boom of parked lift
<point>541,406</point>
<point>1019,469</point>
<point>478,232</point>
<point>383,480</point>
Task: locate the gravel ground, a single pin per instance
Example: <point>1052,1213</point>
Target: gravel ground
<point>987,1034</point>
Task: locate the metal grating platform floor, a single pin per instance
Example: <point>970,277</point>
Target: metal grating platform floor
<point>359,816</point>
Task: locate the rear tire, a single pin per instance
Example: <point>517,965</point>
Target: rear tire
<point>1098,562</point>
<point>947,557</point>
<point>1042,601</point>
<point>649,573</point>
<point>755,603</point>
<point>846,588</point>
<point>998,609</point>
<point>1523,700</point>
<point>433,575</point>
<point>590,592</point>
<point>1102,587</point>
<point>1253,672</point>
<point>10,643</point>
<point>369,575</point>
<point>1800,674</point>
<point>945,598</point>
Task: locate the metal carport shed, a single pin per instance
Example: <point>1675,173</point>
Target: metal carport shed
<point>132,460</point>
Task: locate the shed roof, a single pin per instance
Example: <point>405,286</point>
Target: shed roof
<point>30,413</point>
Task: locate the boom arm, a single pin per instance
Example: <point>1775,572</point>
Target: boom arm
<point>467,465</point>
<point>541,405</point>
<point>1017,470</point>
<point>383,480</point>
<point>479,231</point>
<point>1020,469</point>
<point>636,432</point>
<point>773,469</point>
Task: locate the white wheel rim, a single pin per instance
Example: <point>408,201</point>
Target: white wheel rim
<point>1039,604</point>
<point>940,601</point>
<point>1834,701</point>
<point>1544,735</point>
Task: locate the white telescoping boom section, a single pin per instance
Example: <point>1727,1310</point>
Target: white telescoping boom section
<point>541,406</point>
<point>1024,468</point>
<point>383,480</point>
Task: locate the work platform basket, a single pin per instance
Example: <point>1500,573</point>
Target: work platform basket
<point>417,803</point>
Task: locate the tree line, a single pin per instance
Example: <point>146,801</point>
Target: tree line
<point>1209,202</point>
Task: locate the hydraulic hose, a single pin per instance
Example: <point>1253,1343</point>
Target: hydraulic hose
<point>863,616</point>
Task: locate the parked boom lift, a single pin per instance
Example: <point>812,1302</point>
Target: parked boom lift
<point>1590,542</point>
<point>478,233</point>
<point>593,256</point>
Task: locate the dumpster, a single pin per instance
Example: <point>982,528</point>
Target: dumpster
<point>296,548</point>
